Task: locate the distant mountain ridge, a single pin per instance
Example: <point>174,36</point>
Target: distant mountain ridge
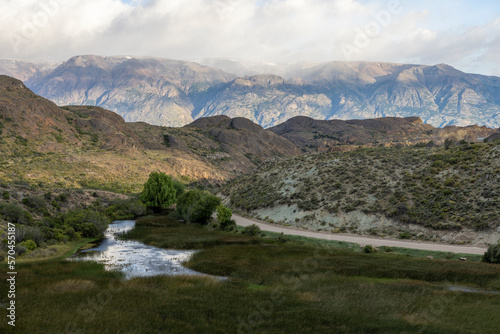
<point>174,93</point>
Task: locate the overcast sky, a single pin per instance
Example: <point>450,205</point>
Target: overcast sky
<point>464,34</point>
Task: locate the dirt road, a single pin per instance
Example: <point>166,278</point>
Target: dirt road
<point>362,240</point>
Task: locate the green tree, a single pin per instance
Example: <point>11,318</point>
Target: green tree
<point>492,255</point>
<point>224,218</point>
<point>197,206</point>
<point>159,192</point>
<point>179,188</point>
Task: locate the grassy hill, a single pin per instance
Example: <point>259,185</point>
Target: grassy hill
<point>426,193</point>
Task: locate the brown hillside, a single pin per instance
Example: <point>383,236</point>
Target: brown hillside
<point>323,136</point>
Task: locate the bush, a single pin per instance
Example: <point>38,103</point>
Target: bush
<point>492,255</point>
<point>5,195</point>
<point>90,223</point>
<point>20,249</point>
<point>89,230</point>
<point>369,249</point>
<point>178,187</point>
<point>62,197</point>
<point>282,238</point>
<point>11,212</point>
<point>29,233</point>
<point>15,214</point>
<point>224,218</point>
<point>197,206</point>
<point>29,245</point>
<point>252,230</point>
<point>35,202</point>
<point>137,208</point>
<point>159,192</point>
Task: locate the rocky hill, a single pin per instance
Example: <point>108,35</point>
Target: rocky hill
<point>86,145</point>
<point>233,145</point>
<point>174,93</point>
<point>423,193</point>
<point>323,136</point>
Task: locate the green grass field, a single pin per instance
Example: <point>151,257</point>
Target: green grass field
<point>273,287</point>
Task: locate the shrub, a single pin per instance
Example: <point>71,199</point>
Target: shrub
<point>282,238</point>
<point>166,140</point>
<point>369,249</point>
<point>35,202</point>
<point>178,187</point>
<point>29,245</point>
<point>62,197</point>
<point>224,218</point>
<point>159,192</point>
<point>89,230</point>
<point>15,214</point>
<point>205,207</point>
<point>137,208</point>
<point>5,195</point>
<point>492,255</point>
<point>30,233</point>
<point>90,223</point>
<point>197,206</point>
<point>20,249</point>
<point>252,230</point>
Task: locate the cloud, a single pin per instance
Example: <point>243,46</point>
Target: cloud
<point>263,30</point>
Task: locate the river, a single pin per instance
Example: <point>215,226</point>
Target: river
<point>134,258</point>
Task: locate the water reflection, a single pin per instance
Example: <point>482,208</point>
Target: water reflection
<point>472,290</point>
<point>134,258</point>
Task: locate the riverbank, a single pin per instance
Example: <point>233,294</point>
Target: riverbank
<point>58,251</point>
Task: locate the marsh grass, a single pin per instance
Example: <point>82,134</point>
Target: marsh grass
<point>416,253</point>
<point>164,232</point>
<point>273,288</point>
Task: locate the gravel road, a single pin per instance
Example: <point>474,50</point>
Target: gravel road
<point>362,240</point>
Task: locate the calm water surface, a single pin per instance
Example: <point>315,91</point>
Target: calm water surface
<point>134,258</point>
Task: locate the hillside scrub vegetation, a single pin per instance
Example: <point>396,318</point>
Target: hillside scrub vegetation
<point>442,188</point>
<point>46,217</point>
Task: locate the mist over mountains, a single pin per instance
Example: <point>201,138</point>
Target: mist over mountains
<point>174,93</point>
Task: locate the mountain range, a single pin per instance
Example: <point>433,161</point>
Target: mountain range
<point>75,145</point>
<point>174,93</point>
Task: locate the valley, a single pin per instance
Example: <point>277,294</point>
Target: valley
<point>249,167</point>
<point>386,177</point>
<point>383,207</point>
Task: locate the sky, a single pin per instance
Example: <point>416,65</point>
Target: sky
<point>462,33</point>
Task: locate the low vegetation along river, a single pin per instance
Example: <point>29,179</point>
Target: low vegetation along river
<point>134,258</point>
